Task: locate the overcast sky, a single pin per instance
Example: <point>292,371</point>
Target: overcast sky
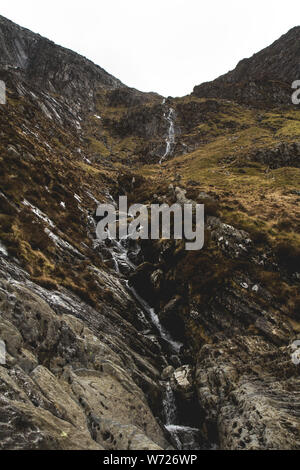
<point>167,46</point>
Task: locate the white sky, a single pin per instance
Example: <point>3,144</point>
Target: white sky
<point>167,46</point>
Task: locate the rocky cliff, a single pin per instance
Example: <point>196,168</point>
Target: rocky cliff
<point>143,345</point>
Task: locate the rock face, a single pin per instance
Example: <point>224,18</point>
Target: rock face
<point>280,156</point>
<point>66,385</point>
<point>126,344</point>
<point>258,408</point>
<point>50,67</point>
<point>264,78</point>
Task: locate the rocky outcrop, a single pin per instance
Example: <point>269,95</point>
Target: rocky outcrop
<point>283,155</point>
<point>182,381</point>
<point>247,387</point>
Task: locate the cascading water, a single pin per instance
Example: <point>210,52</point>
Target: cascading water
<point>169,405</point>
<point>175,345</point>
<point>170,140</point>
<point>183,437</point>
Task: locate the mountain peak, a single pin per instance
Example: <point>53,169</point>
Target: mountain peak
<point>48,66</point>
<point>252,81</point>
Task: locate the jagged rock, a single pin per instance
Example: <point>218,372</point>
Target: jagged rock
<point>140,280</point>
<point>284,154</point>
<point>181,196</point>
<point>39,430</point>
<point>202,195</point>
<point>56,362</point>
<point>51,67</point>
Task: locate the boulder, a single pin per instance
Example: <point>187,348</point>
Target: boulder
<point>182,382</point>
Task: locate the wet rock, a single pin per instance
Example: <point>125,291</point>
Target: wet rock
<point>135,256</point>
<point>156,279</point>
<point>85,354</point>
<point>140,280</point>
<point>172,318</point>
<point>167,373</point>
<point>246,388</point>
<point>31,428</point>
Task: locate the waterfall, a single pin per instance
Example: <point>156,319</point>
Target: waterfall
<point>183,437</point>
<point>176,346</point>
<point>169,405</point>
<point>170,140</point>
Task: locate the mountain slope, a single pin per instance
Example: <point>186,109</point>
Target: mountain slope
<point>263,80</point>
<point>48,66</point>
